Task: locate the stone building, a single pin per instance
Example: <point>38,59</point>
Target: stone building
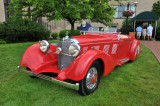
<point>141,6</point>
<point>2,11</point>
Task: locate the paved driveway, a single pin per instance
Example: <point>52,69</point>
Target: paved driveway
<point>154,46</point>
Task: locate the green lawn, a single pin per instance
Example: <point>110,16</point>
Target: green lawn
<point>135,83</point>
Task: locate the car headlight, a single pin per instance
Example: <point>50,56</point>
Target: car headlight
<point>74,49</point>
<point>58,50</point>
<point>44,46</point>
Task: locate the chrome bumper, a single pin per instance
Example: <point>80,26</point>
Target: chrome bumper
<point>62,83</point>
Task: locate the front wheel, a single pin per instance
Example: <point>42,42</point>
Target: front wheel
<point>91,81</point>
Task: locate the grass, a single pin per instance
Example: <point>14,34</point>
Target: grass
<point>136,83</point>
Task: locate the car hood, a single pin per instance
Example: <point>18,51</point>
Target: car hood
<point>84,39</point>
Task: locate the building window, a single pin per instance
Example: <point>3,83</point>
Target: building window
<point>120,8</point>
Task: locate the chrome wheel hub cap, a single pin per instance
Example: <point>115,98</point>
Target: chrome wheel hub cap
<point>91,78</point>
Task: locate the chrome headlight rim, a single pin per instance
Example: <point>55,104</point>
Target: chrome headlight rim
<point>58,50</point>
<point>74,49</point>
<point>44,46</point>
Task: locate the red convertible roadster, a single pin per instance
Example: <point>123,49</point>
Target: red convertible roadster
<point>80,61</point>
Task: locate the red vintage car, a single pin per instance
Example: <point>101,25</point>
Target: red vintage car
<point>80,61</point>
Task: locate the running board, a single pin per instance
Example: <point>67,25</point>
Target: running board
<point>54,80</point>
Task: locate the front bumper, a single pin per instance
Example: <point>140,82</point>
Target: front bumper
<point>54,80</point>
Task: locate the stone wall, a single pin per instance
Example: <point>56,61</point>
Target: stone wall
<point>56,26</point>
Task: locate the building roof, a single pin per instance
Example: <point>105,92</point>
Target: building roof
<point>145,16</point>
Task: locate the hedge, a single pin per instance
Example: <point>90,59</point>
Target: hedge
<point>22,30</point>
<point>63,33</point>
<point>125,30</point>
<point>158,31</point>
<point>2,41</point>
<point>54,35</point>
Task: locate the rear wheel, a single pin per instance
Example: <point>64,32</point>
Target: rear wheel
<point>91,81</point>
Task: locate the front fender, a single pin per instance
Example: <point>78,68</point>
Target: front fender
<point>134,51</point>
<point>33,58</point>
<point>79,67</point>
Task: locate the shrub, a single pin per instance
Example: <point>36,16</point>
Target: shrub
<point>2,41</point>
<point>63,33</point>
<point>2,30</point>
<point>129,23</point>
<point>54,35</point>
<point>21,30</point>
<point>126,31</point>
<point>129,28</point>
<point>158,31</point>
<point>76,32</point>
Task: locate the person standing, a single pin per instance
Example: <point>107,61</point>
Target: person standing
<point>84,27</point>
<point>149,31</point>
<point>139,32</point>
<point>144,33</point>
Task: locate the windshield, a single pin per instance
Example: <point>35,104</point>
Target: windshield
<point>101,29</point>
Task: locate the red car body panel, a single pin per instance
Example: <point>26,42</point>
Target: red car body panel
<point>134,50</point>
<point>78,69</point>
<point>37,61</point>
<point>108,47</point>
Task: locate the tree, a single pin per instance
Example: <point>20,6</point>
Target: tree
<point>21,8</point>
<point>158,31</point>
<point>71,10</point>
<point>156,8</point>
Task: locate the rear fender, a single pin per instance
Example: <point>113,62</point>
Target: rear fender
<point>135,50</point>
<point>34,58</point>
<point>79,67</point>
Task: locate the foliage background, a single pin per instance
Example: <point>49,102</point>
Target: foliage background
<point>125,30</point>
<point>158,30</point>
<point>16,29</point>
<point>71,10</point>
<point>63,33</point>
<point>156,9</point>
<point>54,35</point>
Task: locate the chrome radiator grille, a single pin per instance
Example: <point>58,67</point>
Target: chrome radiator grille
<point>63,60</point>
